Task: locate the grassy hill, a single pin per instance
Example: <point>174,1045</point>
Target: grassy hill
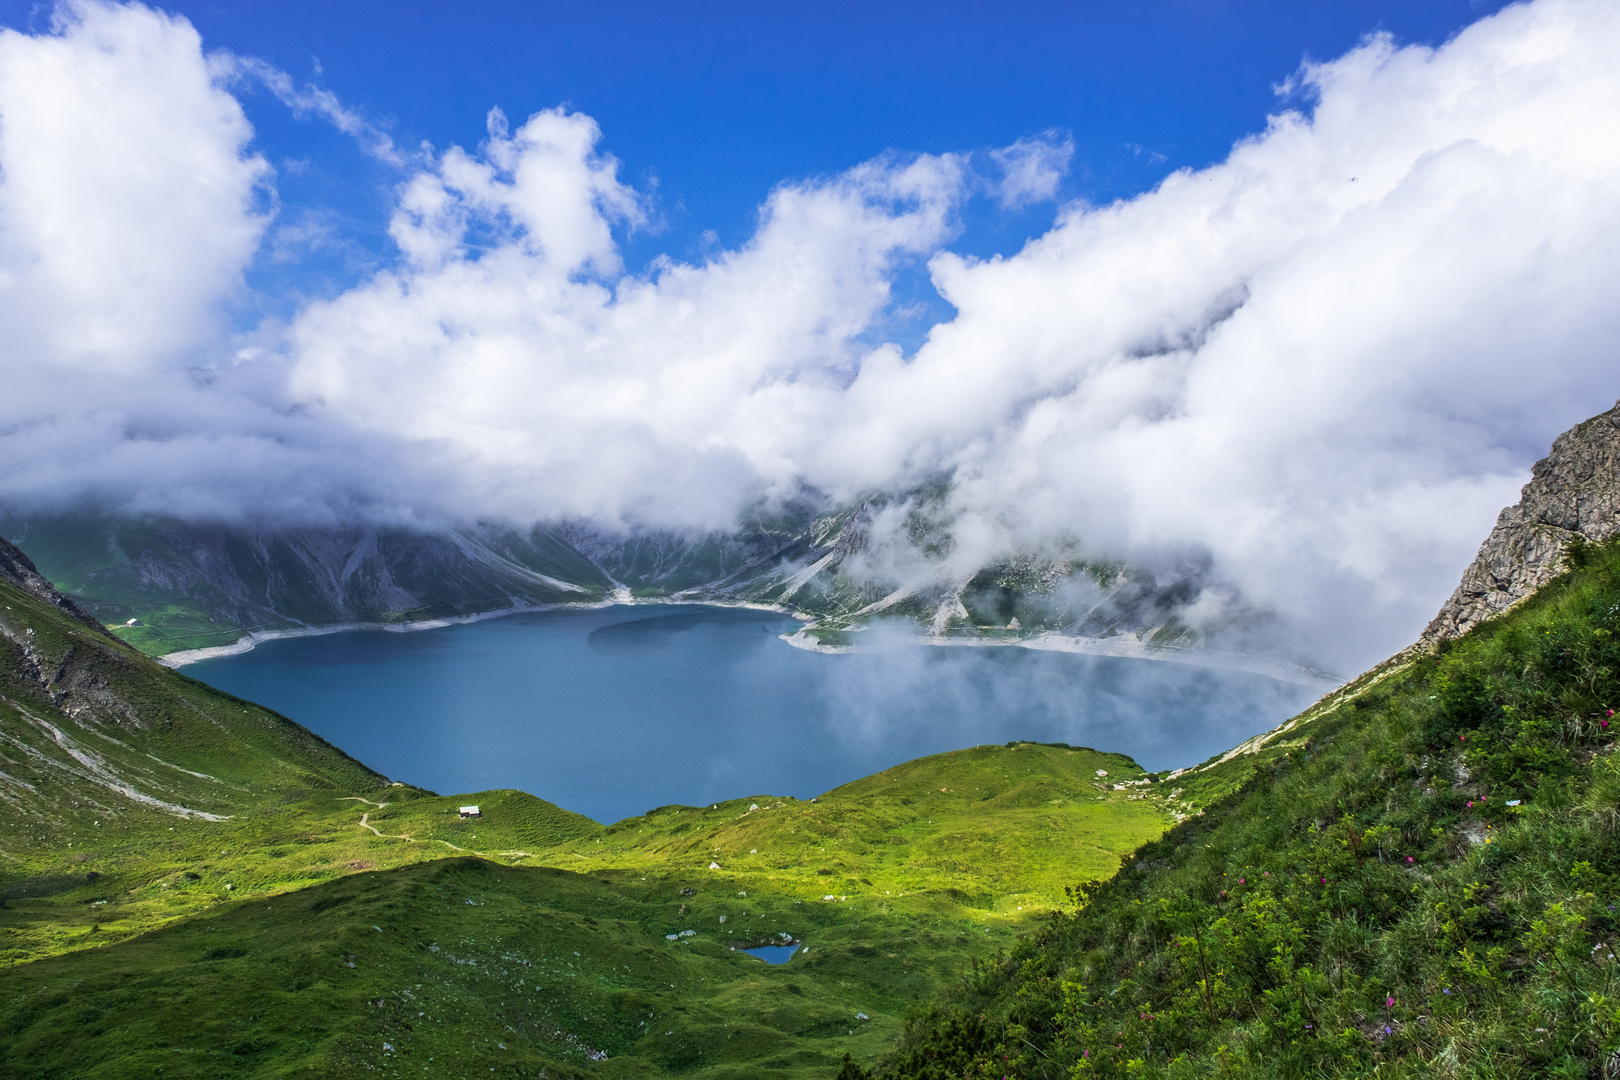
<point>193,886</point>
<point>1419,876</point>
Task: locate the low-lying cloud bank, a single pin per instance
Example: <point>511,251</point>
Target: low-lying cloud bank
<point>1323,363</point>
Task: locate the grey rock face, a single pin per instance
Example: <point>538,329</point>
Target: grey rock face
<point>1573,491</point>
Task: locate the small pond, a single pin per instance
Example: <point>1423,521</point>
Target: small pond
<point>773,954</point>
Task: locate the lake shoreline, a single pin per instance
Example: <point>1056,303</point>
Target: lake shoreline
<point>246,643</point>
<point>1120,646</point>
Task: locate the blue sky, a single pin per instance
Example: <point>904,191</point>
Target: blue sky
<point>1321,354</point>
<point>716,103</point>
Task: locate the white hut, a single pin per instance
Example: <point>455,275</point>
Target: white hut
<point>470,811</point>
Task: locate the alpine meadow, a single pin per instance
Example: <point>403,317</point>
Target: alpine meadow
<point>1093,530</point>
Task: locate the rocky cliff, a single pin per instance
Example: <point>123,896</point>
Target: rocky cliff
<point>1573,492</point>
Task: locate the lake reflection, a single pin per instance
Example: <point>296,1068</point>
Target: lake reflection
<point>612,711</point>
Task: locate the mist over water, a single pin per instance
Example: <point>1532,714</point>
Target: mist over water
<point>611,712</point>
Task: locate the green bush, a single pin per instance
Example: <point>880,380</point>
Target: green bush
<point>1425,882</point>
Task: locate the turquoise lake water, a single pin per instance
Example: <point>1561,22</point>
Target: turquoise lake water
<point>613,711</point>
<point>773,954</point>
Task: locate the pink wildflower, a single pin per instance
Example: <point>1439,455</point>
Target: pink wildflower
<point>1410,859</point>
<point>1390,1004</point>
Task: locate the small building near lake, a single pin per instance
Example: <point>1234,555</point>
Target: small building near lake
<point>470,811</point>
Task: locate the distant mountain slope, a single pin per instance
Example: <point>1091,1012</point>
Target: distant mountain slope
<point>887,557</point>
<point>19,571</point>
<point>192,585</point>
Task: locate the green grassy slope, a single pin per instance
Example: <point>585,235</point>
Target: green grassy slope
<point>96,733</point>
<point>1419,877</point>
<point>898,924</point>
<point>989,831</point>
<point>450,968</point>
<point>185,879</point>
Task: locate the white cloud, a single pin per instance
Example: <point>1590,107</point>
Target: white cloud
<point>127,208</point>
<point>1031,169</point>
<point>1323,363</point>
<point>306,100</point>
<point>1327,360</point>
<point>565,389</point>
<point>131,204</point>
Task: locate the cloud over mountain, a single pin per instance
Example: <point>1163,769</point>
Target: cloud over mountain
<point>1322,363</point>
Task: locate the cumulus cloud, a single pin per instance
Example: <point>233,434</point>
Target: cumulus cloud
<point>1319,366</point>
<point>563,388</point>
<point>1327,360</point>
<point>129,203</point>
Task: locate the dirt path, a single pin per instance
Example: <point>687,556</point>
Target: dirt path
<point>365,823</point>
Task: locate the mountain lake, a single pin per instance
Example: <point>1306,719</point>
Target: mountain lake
<point>612,711</point>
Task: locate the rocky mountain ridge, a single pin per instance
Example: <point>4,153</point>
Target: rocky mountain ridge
<point>192,585</point>
<point>1573,494</point>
